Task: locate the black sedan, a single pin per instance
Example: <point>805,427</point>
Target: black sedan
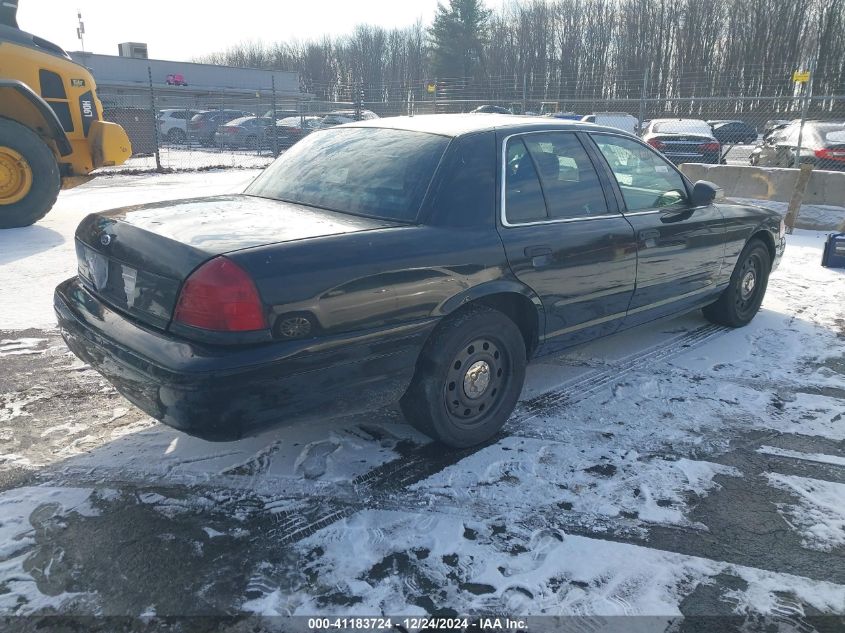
<point>683,140</point>
<point>424,259</point>
<point>822,145</point>
<point>733,132</point>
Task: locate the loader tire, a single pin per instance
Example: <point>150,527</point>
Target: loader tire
<point>29,176</point>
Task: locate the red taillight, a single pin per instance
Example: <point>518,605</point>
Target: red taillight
<point>830,154</point>
<point>656,143</point>
<point>711,147</point>
<point>220,296</point>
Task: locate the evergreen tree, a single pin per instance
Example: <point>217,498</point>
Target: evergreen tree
<point>458,35</point>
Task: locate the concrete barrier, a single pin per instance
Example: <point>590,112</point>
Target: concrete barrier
<point>823,207</point>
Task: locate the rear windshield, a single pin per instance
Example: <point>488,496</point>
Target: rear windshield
<point>373,172</point>
<point>831,133</point>
<point>685,126</point>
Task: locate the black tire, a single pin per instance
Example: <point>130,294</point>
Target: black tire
<point>177,136</point>
<point>741,300</point>
<point>46,180</point>
<point>251,142</point>
<point>468,378</point>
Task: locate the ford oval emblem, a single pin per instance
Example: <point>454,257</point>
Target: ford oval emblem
<point>105,239</point>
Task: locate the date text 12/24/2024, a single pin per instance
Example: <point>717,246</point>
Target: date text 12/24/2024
<point>414,624</point>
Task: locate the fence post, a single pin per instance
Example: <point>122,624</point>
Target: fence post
<point>155,117</point>
<point>524,91</point>
<point>808,94</point>
<point>797,196</point>
<point>435,96</point>
<point>275,129</point>
<point>642,102</point>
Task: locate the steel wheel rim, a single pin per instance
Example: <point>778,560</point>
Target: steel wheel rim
<point>748,290</point>
<point>475,380</point>
<point>15,176</point>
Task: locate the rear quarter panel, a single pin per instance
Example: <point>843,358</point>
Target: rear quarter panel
<point>373,279</point>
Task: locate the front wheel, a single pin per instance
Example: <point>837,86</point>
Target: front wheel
<point>468,378</point>
<point>741,300</point>
<point>29,176</point>
<point>177,136</point>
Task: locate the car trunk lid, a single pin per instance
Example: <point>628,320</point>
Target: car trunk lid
<point>137,258</point>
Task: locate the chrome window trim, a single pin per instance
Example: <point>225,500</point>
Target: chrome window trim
<point>649,212</point>
<point>502,193</point>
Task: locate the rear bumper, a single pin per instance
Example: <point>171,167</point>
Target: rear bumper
<point>227,392</point>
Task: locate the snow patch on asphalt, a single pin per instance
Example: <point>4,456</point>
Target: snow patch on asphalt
<point>26,585</point>
<point>821,458</point>
<point>819,514</point>
<point>396,562</point>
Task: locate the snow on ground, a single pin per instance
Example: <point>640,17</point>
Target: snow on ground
<point>34,259</point>
<point>819,513</point>
<point>679,468</point>
<point>184,158</point>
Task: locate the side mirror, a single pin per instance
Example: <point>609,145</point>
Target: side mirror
<point>705,192</point>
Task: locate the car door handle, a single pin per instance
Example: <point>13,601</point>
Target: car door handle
<point>649,234</point>
<point>537,251</point>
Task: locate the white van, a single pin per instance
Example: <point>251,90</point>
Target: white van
<point>619,120</point>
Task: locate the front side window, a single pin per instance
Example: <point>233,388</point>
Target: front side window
<point>375,172</point>
<point>646,179</point>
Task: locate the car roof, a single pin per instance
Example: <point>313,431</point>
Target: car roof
<point>461,124</point>
<point>242,119</point>
<point>677,119</point>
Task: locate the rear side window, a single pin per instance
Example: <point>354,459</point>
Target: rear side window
<point>570,183</point>
<point>376,172</point>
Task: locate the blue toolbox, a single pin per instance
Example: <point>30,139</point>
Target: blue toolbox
<point>834,251</point>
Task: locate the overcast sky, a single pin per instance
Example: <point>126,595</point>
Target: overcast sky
<point>180,30</point>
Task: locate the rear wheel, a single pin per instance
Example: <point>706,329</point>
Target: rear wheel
<point>741,300</point>
<point>29,176</point>
<point>468,378</point>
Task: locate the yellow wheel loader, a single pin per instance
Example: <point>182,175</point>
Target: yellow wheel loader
<point>52,133</point>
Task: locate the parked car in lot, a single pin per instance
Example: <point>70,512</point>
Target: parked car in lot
<point>423,258</point>
<point>822,145</point>
<point>491,109</point>
<point>203,126</point>
<point>249,132</point>
<point>683,140</point>
<point>291,129</point>
<point>733,132</point>
<point>774,124</point>
<point>173,123</point>
<point>346,116</point>
<point>567,116</point>
<point>619,120</point>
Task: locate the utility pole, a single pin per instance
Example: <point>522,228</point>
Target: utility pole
<point>642,102</point>
<point>80,31</point>
<point>808,95</point>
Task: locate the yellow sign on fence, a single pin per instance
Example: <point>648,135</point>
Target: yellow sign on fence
<point>801,76</point>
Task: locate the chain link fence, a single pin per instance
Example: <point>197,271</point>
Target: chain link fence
<point>782,125</point>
